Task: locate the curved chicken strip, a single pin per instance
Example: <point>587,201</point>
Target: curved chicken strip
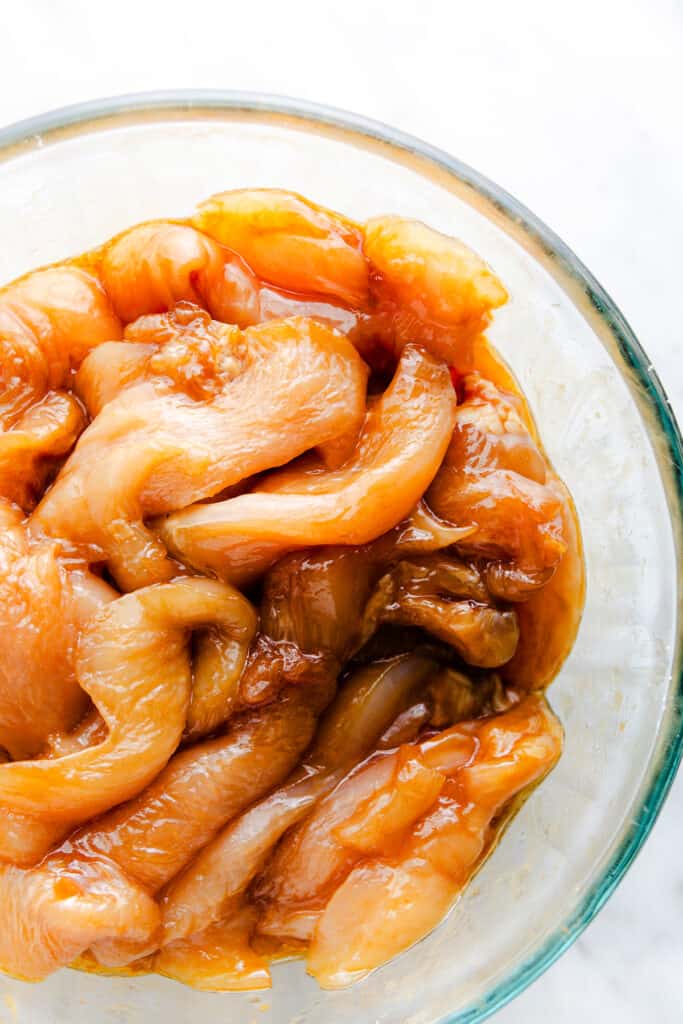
<point>225,405</point>
<point>311,599</point>
<point>398,453</point>
<point>299,878</point>
<point>24,839</point>
<point>221,654</point>
<point>387,903</point>
<point>30,448</point>
<point>449,599</point>
<point>114,366</point>
<point>134,664</point>
<point>366,705</point>
<point>45,603</point>
<point>151,267</point>
<point>51,914</point>
<point>289,241</point>
<point>427,287</point>
<point>49,320</point>
<point>109,369</point>
<point>372,808</point>
<point>207,891</point>
<point>153,836</point>
<point>549,618</point>
<point>496,478</point>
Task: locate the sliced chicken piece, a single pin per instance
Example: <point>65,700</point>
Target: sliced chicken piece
<point>390,900</point>
<point>398,453</point>
<point>46,601</point>
<point>51,914</point>
<point>222,405</point>
<point>151,267</point>
<point>49,320</point>
<point>427,287</point>
<point>550,617</point>
<point>448,598</point>
<point>134,664</point>
<point>496,479</point>
<point>154,835</point>
<point>205,893</point>
<point>366,705</point>
<point>314,858</point>
<point>311,599</point>
<point>300,877</point>
<point>31,448</point>
<point>221,654</point>
<point>289,241</point>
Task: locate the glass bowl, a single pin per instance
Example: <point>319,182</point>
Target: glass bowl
<point>70,179</point>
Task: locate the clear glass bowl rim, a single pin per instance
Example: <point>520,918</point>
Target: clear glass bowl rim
<point>636,363</point>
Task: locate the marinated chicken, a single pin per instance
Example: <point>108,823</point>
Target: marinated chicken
<point>284,573</point>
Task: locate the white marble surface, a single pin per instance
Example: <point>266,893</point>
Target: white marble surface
<point>577,112</point>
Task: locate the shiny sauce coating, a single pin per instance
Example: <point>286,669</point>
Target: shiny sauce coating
<point>284,574</point>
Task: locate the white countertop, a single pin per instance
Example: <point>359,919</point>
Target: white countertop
<point>577,112</point>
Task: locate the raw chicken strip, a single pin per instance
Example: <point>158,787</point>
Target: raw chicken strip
<point>449,599</point>
<point>153,836</point>
<point>49,320</point>
<point>398,453</point>
<point>28,450</point>
<point>390,901</point>
<point>134,663</point>
<point>289,241</point>
<point>497,479</point>
<point>367,704</point>
<point>51,914</point>
<point>153,266</point>
<point>299,878</point>
<point>428,287</point>
<point>225,405</point>
<point>45,603</point>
